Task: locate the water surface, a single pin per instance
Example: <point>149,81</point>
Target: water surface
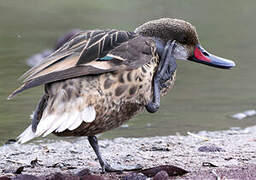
<point>203,97</point>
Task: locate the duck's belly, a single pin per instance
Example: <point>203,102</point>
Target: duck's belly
<point>114,117</point>
<point>116,97</point>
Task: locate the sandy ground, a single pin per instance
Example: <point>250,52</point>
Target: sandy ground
<point>227,154</point>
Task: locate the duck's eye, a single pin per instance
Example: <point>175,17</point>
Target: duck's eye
<point>185,40</point>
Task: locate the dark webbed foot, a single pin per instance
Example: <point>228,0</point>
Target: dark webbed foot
<point>104,165</point>
<point>165,70</point>
<point>172,66</point>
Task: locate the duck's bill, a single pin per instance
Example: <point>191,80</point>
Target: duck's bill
<point>202,56</point>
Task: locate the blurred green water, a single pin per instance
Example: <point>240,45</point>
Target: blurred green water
<point>203,97</point>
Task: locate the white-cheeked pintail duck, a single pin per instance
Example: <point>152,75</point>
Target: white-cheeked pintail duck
<point>99,79</point>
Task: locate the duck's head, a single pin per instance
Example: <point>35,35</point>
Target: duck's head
<point>187,43</point>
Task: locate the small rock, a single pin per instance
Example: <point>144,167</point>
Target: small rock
<point>26,177</point>
<point>19,170</point>
<point>250,112</point>
<point>228,158</point>
<point>73,152</point>
<point>154,148</point>
<point>244,114</point>
<point>129,158</point>
<point>162,175</point>
<point>35,163</point>
<point>59,176</point>
<point>135,176</point>
<point>171,170</point>
<point>210,148</point>
<point>4,178</point>
<point>83,172</point>
<point>208,164</point>
<point>92,177</point>
<point>239,116</point>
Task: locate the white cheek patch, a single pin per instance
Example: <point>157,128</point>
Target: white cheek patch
<point>180,52</point>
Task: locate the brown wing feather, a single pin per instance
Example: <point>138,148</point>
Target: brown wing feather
<point>88,45</point>
<point>75,45</point>
<point>61,65</point>
<point>48,62</point>
<point>129,55</point>
<point>134,53</point>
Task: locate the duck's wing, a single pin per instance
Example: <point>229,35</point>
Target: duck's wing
<point>88,53</point>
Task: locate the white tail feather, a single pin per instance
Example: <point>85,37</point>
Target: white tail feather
<point>59,123</point>
<point>66,123</point>
<point>45,124</point>
<point>26,136</point>
<point>76,121</point>
<point>89,114</point>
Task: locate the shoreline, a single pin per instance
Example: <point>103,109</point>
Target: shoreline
<point>208,154</point>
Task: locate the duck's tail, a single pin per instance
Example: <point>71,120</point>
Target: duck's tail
<point>26,136</point>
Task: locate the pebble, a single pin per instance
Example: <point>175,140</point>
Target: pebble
<point>26,177</point>
<point>170,169</point>
<point>83,172</point>
<point>135,176</point>
<point>244,114</point>
<point>210,148</point>
<point>5,178</point>
<point>162,175</point>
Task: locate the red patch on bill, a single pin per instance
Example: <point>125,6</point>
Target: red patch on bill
<point>200,56</point>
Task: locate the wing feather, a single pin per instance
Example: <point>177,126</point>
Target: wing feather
<point>75,45</point>
<point>125,50</point>
<point>61,65</point>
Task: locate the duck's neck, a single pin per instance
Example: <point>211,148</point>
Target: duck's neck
<point>180,51</point>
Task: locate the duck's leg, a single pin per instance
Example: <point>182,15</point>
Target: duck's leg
<point>104,165</point>
<point>163,73</point>
<point>94,143</point>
